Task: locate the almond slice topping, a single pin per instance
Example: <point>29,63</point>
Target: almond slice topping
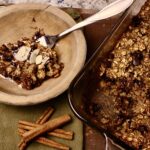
<point>38,59</point>
<point>23,53</point>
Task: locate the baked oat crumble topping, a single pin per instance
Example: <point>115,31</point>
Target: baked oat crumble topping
<point>125,76</point>
<point>28,62</point>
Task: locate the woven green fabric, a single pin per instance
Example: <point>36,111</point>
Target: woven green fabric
<point>10,115</point>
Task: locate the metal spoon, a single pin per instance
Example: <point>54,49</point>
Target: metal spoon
<point>112,9</point>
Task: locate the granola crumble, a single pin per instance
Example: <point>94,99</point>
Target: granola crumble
<point>125,76</point>
<point>29,63</point>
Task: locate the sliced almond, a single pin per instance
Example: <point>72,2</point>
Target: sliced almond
<point>42,41</point>
<point>23,53</point>
<point>45,59</point>
<point>33,56</point>
<point>38,59</point>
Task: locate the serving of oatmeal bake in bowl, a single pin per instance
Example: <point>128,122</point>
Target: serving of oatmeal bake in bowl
<point>30,71</point>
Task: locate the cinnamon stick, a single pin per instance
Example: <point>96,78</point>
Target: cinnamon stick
<point>60,133</point>
<point>48,126</point>
<point>68,135</point>
<point>47,142</point>
<point>45,116</point>
<point>51,143</point>
<point>64,132</point>
<point>22,144</point>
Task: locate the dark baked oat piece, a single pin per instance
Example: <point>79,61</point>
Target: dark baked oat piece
<point>29,63</point>
<point>127,80</point>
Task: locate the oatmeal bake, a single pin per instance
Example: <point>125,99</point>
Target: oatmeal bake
<point>125,77</point>
<point>29,61</point>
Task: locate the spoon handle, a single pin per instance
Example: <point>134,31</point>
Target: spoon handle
<point>112,9</point>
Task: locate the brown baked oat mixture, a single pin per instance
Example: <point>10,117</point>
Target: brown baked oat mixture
<point>29,63</point>
<point>125,76</point>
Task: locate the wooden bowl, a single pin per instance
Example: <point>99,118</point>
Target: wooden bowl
<point>21,20</point>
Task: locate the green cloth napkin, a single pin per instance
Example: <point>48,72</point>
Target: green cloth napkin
<point>10,115</point>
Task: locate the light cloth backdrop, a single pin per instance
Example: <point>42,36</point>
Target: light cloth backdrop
<point>90,4</point>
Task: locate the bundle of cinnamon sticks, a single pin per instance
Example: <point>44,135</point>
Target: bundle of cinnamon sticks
<point>34,131</point>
